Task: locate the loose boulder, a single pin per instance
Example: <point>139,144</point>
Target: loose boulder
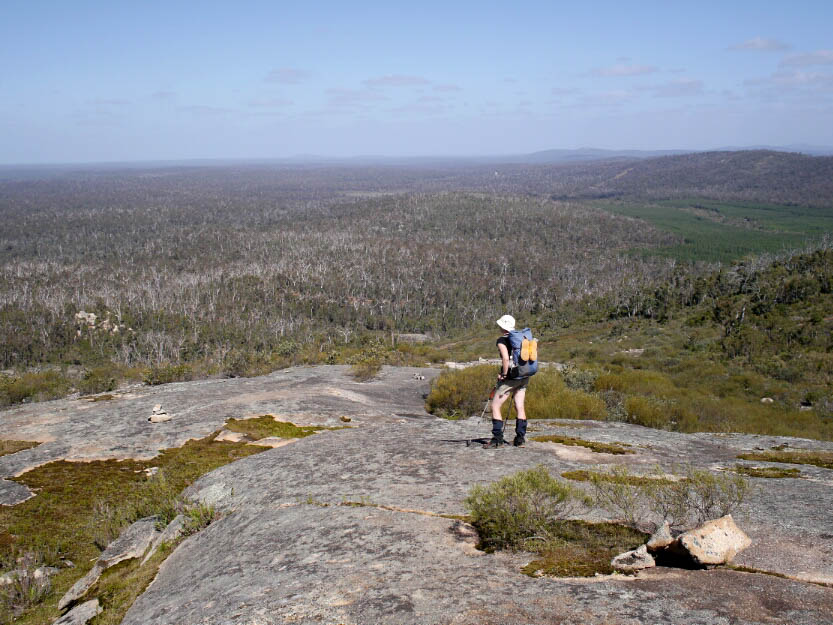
<point>633,561</point>
<point>661,539</point>
<point>714,542</point>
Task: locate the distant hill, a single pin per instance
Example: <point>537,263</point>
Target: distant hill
<point>755,175</point>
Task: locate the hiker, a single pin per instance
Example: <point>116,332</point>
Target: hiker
<point>507,385</point>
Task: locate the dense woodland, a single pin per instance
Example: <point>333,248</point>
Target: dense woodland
<point>245,268</point>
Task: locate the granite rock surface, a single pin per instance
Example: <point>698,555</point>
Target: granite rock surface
<point>356,525</point>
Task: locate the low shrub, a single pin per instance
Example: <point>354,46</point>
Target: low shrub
<point>520,508</point>
<point>465,391</point>
<point>167,373</point>
<point>98,380</point>
<point>24,590</point>
<point>33,386</point>
<point>698,496</point>
<point>647,411</point>
<point>366,370</point>
<point>198,516</point>
<point>461,390</point>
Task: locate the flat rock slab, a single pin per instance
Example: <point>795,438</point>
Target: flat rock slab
<point>343,527</point>
<point>81,430</point>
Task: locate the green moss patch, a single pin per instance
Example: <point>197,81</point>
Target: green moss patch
<point>823,459</point>
<point>582,549</point>
<point>601,448</point>
<point>267,426</point>
<point>615,478</point>
<point>767,472</point>
<point>79,506</point>
<point>12,447</point>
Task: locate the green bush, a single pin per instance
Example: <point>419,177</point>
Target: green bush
<point>465,391</point>
<point>647,411</point>
<point>40,386</point>
<point>519,508</point>
<point>366,370</point>
<point>167,373</point>
<point>98,380</point>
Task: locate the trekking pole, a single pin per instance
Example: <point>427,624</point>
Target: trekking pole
<point>488,401</point>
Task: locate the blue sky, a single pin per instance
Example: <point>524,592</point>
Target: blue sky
<point>88,81</point>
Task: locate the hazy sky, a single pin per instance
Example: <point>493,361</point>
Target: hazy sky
<point>119,80</point>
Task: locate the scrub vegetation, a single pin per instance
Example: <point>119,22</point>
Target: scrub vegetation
<point>529,511</point>
<point>173,274</point>
<point>80,507</point>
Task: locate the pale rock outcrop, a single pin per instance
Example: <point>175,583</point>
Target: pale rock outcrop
<point>132,543</point>
<point>42,572</point>
<point>80,614</point>
<point>714,542</point>
<point>273,441</point>
<point>661,538</point>
<point>633,561</point>
<point>171,533</point>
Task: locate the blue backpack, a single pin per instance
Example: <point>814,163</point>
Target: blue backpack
<point>524,354</point>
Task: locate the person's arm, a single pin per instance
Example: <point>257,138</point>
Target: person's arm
<point>504,357</point>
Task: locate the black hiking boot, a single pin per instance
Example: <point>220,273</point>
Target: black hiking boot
<point>520,433</point>
<point>496,443</point>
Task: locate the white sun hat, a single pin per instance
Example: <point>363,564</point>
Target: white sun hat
<point>507,322</point>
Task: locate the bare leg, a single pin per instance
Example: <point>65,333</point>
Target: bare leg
<point>497,404</point>
<point>519,403</point>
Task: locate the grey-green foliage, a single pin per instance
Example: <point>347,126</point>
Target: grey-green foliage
<point>696,496</point>
<point>520,507</point>
<point>24,589</point>
<point>198,516</point>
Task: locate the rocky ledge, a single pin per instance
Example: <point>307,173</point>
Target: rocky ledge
<point>356,525</point>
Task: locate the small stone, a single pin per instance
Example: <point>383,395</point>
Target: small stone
<point>230,437</point>
<point>151,471</point>
<point>157,409</point>
<point>273,441</point>
<point>160,417</point>
<point>767,400</point>
<point>633,561</point>
<point>80,614</point>
<point>44,571</point>
<point>714,542</point>
<point>660,539</point>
